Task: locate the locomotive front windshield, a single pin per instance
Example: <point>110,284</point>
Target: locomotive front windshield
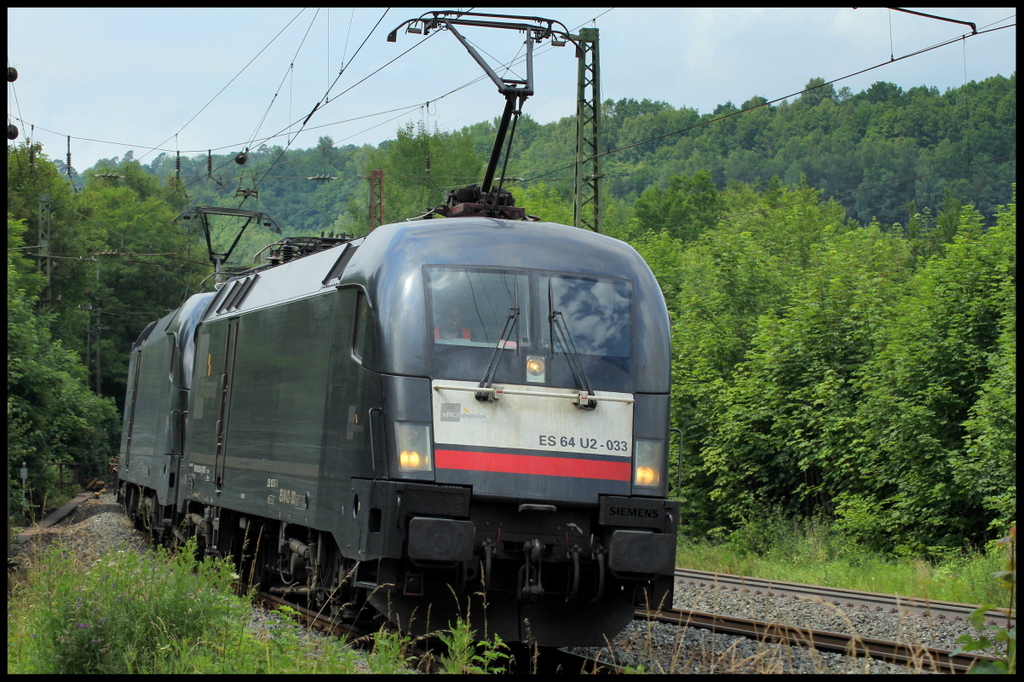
<point>595,311</point>
<point>555,317</point>
<point>474,307</point>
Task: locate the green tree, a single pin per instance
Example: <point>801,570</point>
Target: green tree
<point>117,259</point>
<point>734,279</point>
<point>932,400</point>
<point>411,184</point>
<point>688,207</point>
<point>816,91</point>
<point>140,265</point>
<point>31,179</point>
<point>51,414</point>
<point>786,434</point>
<point>542,201</point>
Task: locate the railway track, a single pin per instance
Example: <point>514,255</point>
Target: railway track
<point>312,618</point>
<point>523,658</point>
<point>942,610</point>
<point>936,660</point>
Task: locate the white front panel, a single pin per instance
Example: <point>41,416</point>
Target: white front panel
<point>532,418</point>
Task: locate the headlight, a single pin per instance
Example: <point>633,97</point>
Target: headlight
<point>646,476</point>
<point>414,451</point>
<point>648,462</point>
<point>535,369</point>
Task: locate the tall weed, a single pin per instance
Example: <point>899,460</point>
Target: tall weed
<point>130,613</point>
<point>126,613</point>
<point>991,635</point>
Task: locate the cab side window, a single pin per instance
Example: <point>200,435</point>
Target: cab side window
<point>363,340</point>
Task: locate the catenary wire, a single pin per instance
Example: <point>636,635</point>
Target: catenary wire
<point>564,167</point>
<point>229,82</point>
<point>343,64</point>
<point>291,65</point>
<point>941,44</point>
<point>472,82</point>
<point>285,130</point>
<point>763,104</point>
<point>339,95</point>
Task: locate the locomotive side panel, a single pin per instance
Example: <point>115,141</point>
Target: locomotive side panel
<point>156,404</point>
<point>257,433</point>
<point>351,432</point>
<point>146,447</point>
<point>353,389</point>
<point>206,401</point>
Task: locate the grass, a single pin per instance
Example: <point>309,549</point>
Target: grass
<point>128,613</point>
<point>815,554</point>
<point>131,613</point>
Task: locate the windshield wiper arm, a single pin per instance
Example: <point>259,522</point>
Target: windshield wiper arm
<point>556,321</point>
<point>503,343</point>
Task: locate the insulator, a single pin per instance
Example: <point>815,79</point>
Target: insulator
<point>12,74</point>
<point>241,158</point>
<point>12,131</point>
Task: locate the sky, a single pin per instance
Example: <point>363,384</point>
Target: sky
<point>189,80</point>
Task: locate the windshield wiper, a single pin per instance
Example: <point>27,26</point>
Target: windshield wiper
<point>488,393</point>
<point>556,321</point>
<point>503,343</point>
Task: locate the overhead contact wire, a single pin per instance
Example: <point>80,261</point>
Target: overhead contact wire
<point>232,80</point>
<point>336,97</point>
<point>767,103</point>
<point>288,71</point>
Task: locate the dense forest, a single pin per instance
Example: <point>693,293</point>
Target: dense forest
<point>840,271</point>
<point>879,152</point>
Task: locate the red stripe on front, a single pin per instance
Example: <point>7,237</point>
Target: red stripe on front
<point>533,464</point>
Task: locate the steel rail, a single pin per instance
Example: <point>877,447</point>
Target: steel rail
<point>942,610</point>
<point>313,618</point>
<point>938,660</point>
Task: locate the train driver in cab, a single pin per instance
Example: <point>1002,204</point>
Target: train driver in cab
<point>450,324</point>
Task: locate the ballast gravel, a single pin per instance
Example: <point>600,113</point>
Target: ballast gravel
<point>663,648</point>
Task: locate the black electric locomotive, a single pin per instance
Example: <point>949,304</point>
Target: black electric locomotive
<point>156,405</point>
<point>456,416</point>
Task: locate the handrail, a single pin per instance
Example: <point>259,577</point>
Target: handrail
<point>499,390</point>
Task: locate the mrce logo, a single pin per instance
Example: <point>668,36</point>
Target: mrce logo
<point>455,412</point>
